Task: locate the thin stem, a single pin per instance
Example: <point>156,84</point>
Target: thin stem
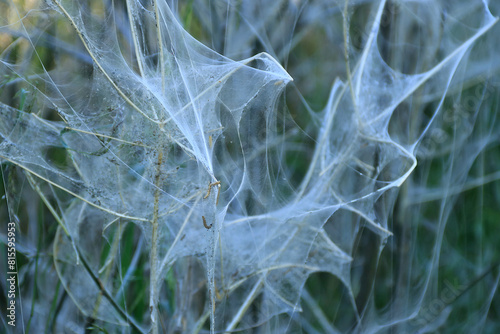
<point>135,38</point>
<point>44,199</point>
<point>98,135</point>
<point>96,280</point>
<point>346,56</point>
<point>166,261</point>
<point>246,304</point>
<point>107,270</point>
<point>153,294</point>
<point>160,45</point>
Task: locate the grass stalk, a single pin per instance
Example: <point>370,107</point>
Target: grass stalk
<point>153,292</point>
